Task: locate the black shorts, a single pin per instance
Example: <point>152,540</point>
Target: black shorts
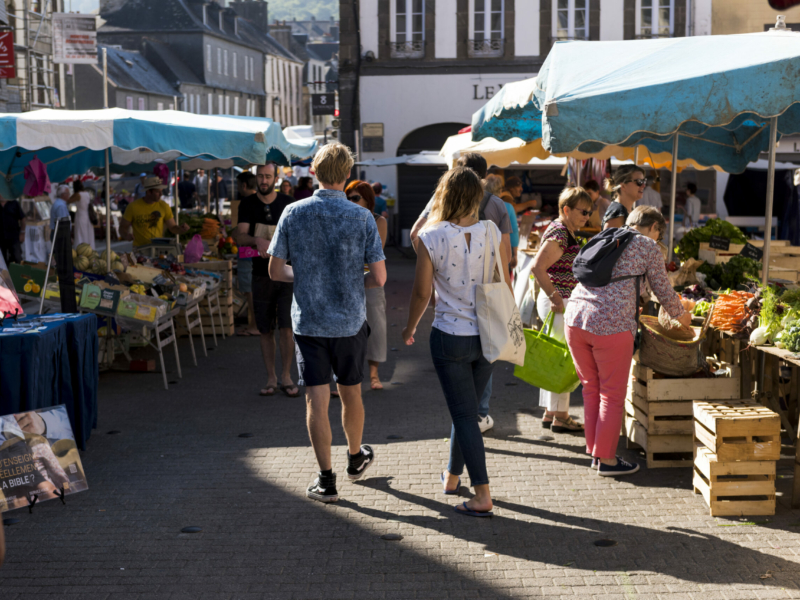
<point>272,303</point>
<point>318,356</point>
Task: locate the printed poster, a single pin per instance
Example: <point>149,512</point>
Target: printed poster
<point>74,38</point>
<point>38,457</point>
<point>9,301</point>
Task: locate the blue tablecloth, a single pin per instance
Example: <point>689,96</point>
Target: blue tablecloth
<point>55,366</point>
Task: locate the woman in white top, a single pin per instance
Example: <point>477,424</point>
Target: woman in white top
<point>450,259</point>
<point>82,228</point>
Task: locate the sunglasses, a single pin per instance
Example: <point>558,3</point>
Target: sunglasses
<point>585,213</point>
<point>267,212</point>
<point>639,182</point>
<point>354,198</point>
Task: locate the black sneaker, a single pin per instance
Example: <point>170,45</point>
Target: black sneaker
<point>323,488</point>
<point>623,467</point>
<point>357,465</point>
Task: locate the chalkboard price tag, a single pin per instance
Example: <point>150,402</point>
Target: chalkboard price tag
<point>719,243</point>
<point>750,251</point>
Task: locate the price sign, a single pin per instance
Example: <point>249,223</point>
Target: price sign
<point>719,243</point>
<point>750,251</point>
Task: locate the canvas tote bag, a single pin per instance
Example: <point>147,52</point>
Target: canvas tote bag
<point>499,322</point>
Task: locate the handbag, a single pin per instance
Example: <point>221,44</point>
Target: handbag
<point>499,322</point>
<point>93,215</point>
<point>548,361</point>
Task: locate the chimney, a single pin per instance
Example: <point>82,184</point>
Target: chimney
<point>282,34</point>
<point>255,11</point>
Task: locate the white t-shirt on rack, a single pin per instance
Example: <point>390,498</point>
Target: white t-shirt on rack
<point>457,269</point>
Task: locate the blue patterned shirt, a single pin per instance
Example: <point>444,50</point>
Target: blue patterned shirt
<point>328,239</point>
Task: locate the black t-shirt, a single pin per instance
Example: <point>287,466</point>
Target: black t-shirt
<point>10,216</point>
<point>614,210</point>
<point>186,192</point>
<point>253,211</point>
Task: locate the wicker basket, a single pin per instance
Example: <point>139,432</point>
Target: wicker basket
<point>669,356</point>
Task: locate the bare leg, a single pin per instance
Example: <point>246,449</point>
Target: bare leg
<point>352,416</point>
<point>482,501</point>
<point>268,352</point>
<point>287,354</point>
<point>319,428</point>
<point>374,378</point>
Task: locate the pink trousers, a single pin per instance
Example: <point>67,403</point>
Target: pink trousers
<point>603,363</point>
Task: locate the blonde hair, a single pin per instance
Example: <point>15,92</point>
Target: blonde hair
<point>332,163</point>
<point>458,194</point>
<point>493,184</point>
<point>621,176</point>
<point>573,196</point>
<point>646,216</point>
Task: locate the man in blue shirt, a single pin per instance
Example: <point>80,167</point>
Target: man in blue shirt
<point>60,209</point>
<point>329,239</point>
<point>381,209</point>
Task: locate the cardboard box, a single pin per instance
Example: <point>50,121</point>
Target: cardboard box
<point>141,308</point>
<point>103,298</point>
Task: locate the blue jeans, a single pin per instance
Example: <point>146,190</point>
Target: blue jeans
<point>483,405</point>
<point>462,371</point>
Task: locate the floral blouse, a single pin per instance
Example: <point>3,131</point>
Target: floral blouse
<point>612,309</point>
<point>560,272</point>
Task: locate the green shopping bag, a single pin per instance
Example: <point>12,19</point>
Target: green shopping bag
<point>548,362</point>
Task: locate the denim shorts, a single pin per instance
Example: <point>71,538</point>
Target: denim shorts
<point>244,274</point>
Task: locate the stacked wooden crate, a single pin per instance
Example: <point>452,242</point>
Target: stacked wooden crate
<point>659,415</point>
<point>224,268</point>
<point>736,447</point>
<point>784,260</point>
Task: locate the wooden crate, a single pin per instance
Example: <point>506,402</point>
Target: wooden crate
<point>734,489</point>
<point>662,451</point>
<point>651,386</point>
<point>738,430</point>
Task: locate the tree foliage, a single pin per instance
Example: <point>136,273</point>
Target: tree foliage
<point>303,9</point>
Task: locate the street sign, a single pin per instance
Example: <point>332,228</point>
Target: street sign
<point>323,104</point>
<point>7,63</point>
<point>74,38</point>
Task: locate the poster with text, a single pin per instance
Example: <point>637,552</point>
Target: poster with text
<point>74,39</point>
<point>38,457</point>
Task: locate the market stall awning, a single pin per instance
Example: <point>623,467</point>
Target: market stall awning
<point>425,158</point>
<point>73,141</point>
<point>717,92</point>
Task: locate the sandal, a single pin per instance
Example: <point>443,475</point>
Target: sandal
<point>465,510</point>
<point>566,426</point>
<point>545,423</point>
<point>376,385</point>
<point>285,389</point>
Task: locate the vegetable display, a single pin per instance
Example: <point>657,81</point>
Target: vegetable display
<point>689,246</point>
<point>697,293</point>
<point>790,338</point>
<point>736,312</point>
<point>701,308</point>
<point>731,274</point>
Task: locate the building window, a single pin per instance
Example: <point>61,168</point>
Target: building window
<point>236,106</point>
<point>160,106</point>
<point>227,105</point>
<point>234,64</point>
<point>211,104</point>
<point>408,28</point>
<point>225,63</point>
<point>191,103</point>
<point>219,61</point>
<point>129,103</point>
<point>205,14</point>
<point>171,106</point>
<point>486,28</point>
<point>141,104</point>
<point>209,67</point>
<point>570,19</point>
<point>655,18</point>
<point>220,105</point>
<point>252,71</point>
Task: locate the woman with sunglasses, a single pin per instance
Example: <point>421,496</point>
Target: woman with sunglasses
<point>601,325</point>
<point>287,188</point>
<point>627,184</point>
<point>553,271</point>
<point>362,194</point>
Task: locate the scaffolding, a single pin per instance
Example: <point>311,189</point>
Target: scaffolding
<point>35,83</point>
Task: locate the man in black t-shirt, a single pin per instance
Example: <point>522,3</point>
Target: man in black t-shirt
<point>12,226</point>
<point>186,192</point>
<point>272,300</point>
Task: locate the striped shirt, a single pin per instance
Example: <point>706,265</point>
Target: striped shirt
<point>560,272</point>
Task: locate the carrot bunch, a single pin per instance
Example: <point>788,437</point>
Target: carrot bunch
<point>731,312</point>
<point>210,229</point>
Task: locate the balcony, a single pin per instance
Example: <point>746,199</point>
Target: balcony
<point>415,49</point>
<point>485,48</point>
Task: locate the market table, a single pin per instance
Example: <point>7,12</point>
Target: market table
<point>57,365</point>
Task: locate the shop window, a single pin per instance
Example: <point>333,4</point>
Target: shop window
<point>160,106</point>
<point>655,18</point>
<point>129,103</point>
<point>408,28</point>
<point>570,19</point>
<point>486,28</point>
<point>141,104</point>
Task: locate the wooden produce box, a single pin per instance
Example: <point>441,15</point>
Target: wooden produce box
<point>205,319</point>
<point>738,430</point>
<point>660,416</point>
<point>734,489</point>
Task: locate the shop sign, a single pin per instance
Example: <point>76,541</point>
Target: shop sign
<point>74,38</point>
<point>8,68</point>
<point>750,251</point>
<point>38,458</point>
<point>372,137</point>
<point>719,243</point>
<point>323,104</point>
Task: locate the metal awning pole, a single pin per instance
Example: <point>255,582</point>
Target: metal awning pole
<point>177,203</point>
<point>636,155</point>
<point>108,166</point>
<point>579,162</point>
<point>773,143</point>
<point>672,196</point>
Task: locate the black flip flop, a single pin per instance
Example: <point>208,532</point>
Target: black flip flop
<point>283,388</point>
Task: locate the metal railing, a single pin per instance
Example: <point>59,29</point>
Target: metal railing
<point>413,49</point>
<point>484,48</point>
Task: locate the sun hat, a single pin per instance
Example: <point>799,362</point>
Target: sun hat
<point>153,183</point>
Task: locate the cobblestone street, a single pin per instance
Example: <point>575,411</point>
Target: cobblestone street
<point>178,460</point>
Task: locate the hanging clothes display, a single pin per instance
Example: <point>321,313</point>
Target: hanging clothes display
<point>37,183</point>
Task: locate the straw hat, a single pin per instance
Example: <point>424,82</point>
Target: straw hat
<point>153,183</point>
